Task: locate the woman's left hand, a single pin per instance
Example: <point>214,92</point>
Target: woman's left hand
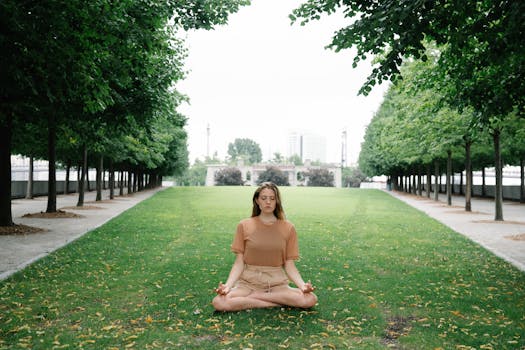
<point>307,288</point>
<point>222,289</point>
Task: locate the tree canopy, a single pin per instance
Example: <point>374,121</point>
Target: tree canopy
<point>245,149</point>
<point>481,61</point>
<point>98,76</point>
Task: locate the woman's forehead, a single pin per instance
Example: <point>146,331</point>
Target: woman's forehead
<point>267,192</point>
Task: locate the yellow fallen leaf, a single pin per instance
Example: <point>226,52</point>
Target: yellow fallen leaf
<point>457,313</point>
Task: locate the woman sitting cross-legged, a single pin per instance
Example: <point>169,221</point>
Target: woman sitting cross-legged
<point>266,246</point>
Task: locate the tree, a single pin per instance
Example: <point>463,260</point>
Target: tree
<point>319,178</point>
<point>482,59</point>
<point>194,176</point>
<point>245,149</point>
<point>277,158</point>
<point>352,177</point>
<point>98,64</point>
<point>275,175</point>
<point>229,177</point>
<point>295,159</point>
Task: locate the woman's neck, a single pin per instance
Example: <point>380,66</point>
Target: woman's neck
<point>267,217</point>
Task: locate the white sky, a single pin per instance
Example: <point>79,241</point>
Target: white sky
<point>260,78</point>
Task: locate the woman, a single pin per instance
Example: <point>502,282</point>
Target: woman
<point>266,247</point>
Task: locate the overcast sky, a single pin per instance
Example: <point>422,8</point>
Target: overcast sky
<point>259,77</point>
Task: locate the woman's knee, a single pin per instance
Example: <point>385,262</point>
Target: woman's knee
<point>220,303</point>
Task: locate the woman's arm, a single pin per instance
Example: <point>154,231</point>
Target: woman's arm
<point>235,273</point>
<point>295,276</point>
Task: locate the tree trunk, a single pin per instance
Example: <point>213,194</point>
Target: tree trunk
<point>51,178</point>
<point>419,189</point>
<point>80,202</point>
<point>111,179</point>
<point>429,180</point>
<point>68,170</point>
<point>100,170</point>
<point>121,183</point>
<point>452,180</point>
<point>483,189</point>
<point>468,177</point>
<point>436,179</point>
<point>522,183</point>
<point>498,190</point>
<point>29,188</point>
<point>447,178</point>
<point>79,168</point>
<point>6,216</point>
<point>461,183</point>
<point>130,184</point>
<point>88,185</point>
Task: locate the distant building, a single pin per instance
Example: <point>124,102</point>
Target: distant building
<point>307,145</point>
<point>250,173</point>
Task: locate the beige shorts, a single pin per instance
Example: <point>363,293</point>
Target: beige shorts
<point>262,278</point>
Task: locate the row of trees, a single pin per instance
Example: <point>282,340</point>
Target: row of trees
<point>413,134</point>
<point>231,176</point>
<point>250,152</point>
<point>95,77</point>
<point>478,53</point>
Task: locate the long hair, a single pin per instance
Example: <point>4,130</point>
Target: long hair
<point>278,211</point>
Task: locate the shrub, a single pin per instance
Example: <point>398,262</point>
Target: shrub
<point>275,175</point>
<point>228,177</point>
<point>320,178</point>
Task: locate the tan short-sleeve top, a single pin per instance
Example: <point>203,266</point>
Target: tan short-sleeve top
<point>266,244</point>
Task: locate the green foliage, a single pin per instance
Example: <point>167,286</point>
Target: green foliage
<point>275,175</point>
<point>277,158</point>
<point>414,126</point>
<point>228,177</point>
<point>97,75</point>
<point>194,176</point>
<point>386,274</point>
<point>245,149</point>
<point>319,178</point>
<point>352,177</point>
<point>483,59</point>
<point>296,160</point>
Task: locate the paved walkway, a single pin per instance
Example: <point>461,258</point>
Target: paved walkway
<point>18,251</point>
<point>505,239</point>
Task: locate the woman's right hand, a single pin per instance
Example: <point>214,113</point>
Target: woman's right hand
<point>222,289</point>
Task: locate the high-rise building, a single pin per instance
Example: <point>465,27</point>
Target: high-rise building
<point>307,145</point>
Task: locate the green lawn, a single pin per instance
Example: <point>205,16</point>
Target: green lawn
<point>387,277</point>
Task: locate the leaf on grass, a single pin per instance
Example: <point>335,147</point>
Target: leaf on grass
<point>457,313</point>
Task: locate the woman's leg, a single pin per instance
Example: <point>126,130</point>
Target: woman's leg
<point>239,299</point>
<point>286,296</point>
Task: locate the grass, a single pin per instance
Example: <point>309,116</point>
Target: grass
<point>388,276</point>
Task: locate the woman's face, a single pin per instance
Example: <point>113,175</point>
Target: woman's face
<point>266,201</point>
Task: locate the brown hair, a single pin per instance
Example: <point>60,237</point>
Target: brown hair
<point>278,211</point>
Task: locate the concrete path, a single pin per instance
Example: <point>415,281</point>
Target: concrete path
<point>505,239</point>
<point>18,251</point>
